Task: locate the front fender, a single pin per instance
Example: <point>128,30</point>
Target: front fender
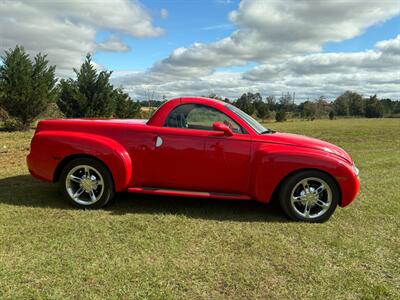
<point>273,163</point>
<point>49,148</point>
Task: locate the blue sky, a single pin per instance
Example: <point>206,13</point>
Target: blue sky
<point>207,21</point>
<point>187,22</point>
<point>225,47</point>
<point>381,31</point>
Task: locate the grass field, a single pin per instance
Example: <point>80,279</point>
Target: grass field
<point>166,248</point>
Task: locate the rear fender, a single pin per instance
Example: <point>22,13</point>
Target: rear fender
<point>49,148</point>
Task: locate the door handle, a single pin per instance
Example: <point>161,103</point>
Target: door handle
<point>159,142</point>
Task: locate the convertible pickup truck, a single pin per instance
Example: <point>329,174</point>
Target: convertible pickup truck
<point>193,147</point>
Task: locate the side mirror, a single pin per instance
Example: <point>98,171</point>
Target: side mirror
<point>221,127</point>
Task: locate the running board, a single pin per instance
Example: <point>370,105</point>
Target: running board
<point>186,193</point>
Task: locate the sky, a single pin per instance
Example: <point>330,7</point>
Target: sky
<point>174,48</point>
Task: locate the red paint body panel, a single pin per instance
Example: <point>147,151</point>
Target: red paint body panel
<point>273,162</point>
<point>53,146</point>
<point>185,193</point>
<point>191,162</point>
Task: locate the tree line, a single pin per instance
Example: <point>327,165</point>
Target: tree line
<point>349,104</point>
<point>30,90</point>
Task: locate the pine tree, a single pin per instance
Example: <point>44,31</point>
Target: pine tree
<point>125,107</point>
<point>27,87</point>
<point>89,95</point>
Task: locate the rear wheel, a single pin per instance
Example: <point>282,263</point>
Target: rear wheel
<point>87,183</point>
<point>309,196</point>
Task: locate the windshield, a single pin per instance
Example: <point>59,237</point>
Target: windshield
<point>249,120</point>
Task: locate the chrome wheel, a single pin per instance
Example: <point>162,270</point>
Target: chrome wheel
<point>311,197</point>
<point>84,184</point>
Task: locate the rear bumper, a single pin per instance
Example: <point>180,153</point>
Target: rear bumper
<point>36,170</point>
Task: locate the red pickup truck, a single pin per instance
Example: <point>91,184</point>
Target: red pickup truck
<point>194,147</point>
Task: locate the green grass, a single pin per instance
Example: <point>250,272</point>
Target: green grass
<point>170,248</point>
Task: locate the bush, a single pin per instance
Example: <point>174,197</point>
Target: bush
<point>52,112</point>
<point>331,115</point>
<point>3,114</point>
<point>280,116</point>
<point>9,123</point>
<point>12,124</point>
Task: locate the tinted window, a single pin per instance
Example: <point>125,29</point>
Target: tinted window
<point>202,117</point>
<point>249,120</point>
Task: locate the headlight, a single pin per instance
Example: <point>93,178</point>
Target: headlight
<point>356,171</point>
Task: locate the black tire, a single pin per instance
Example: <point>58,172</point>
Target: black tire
<point>105,192</point>
<point>293,184</point>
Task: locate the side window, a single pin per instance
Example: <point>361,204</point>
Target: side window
<point>202,117</point>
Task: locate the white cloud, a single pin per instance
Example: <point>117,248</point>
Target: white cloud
<point>330,74</point>
<point>123,15</point>
<point>384,58</point>
<point>275,30</point>
<point>113,43</point>
<point>390,47</point>
<point>66,30</point>
<point>285,39</point>
<point>164,13</point>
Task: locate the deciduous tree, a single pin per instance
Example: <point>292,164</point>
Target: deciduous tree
<point>262,110</point>
<point>373,108</point>
<point>246,102</point>
<point>341,105</point>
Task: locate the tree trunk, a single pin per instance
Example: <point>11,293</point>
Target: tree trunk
<point>25,125</point>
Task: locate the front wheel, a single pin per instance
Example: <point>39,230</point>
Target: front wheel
<point>87,183</point>
<point>309,196</point>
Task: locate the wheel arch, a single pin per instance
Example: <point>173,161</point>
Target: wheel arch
<point>52,150</point>
<point>275,193</point>
<point>66,160</point>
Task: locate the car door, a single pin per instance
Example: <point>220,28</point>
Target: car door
<point>228,159</point>
<point>177,158</point>
<point>189,154</point>
<point>224,165</point>
<point>170,156</point>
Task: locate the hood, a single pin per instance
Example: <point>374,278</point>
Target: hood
<point>305,142</point>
